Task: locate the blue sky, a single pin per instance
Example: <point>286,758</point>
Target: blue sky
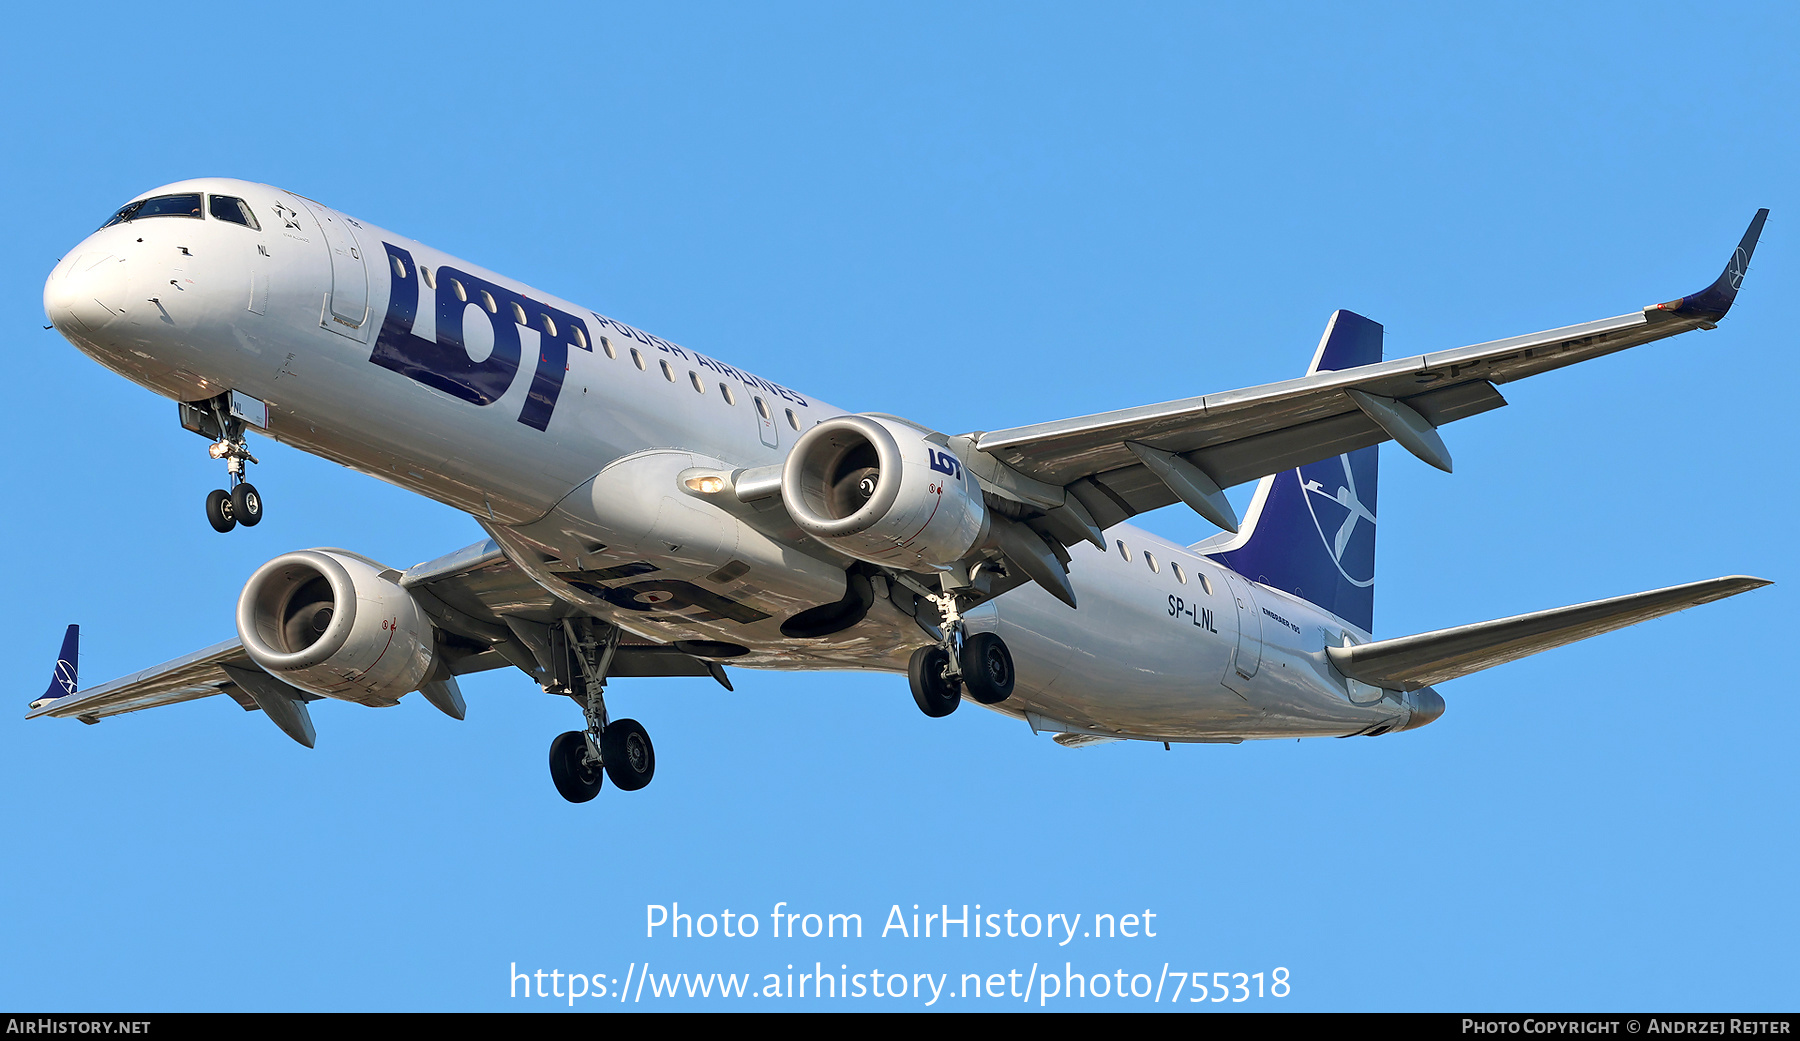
<point>976,217</point>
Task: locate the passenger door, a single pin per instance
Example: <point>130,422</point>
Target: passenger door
<point>346,308</point>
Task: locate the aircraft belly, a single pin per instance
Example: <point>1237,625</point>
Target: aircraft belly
<point>1129,663</point>
<point>1122,662</point>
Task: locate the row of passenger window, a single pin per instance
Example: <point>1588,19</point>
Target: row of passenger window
<point>229,208</point>
<point>1156,567</point>
<point>548,325</point>
<point>187,204</point>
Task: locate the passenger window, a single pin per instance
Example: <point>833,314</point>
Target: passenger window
<point>1180,575</point>
<point>519,313</point>
<point>1123,552</point>
<point>694,378</point>
<point>487,301</point>
<point>725,392</point>
<point>637,359</point>
<point>1150,559</point>
<point>425,273</point>
<point>457,288</point>
<point>399,267</point>
<point>795,423</point>
<point>226,208</point>
<point>1206,585</point>
<point>580,337</point>
<point>761,409</point>
<point>606,345</point>
<point>668,371</point>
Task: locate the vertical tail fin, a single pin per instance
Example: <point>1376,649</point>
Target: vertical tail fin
<point>1311,530</point>
<point>62,678</point>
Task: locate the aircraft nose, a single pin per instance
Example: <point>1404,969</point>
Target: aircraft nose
<point>86,292</point>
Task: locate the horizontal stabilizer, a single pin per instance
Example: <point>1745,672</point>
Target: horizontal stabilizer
<point>1411,662</point>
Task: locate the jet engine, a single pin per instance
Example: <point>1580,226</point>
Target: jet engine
<point>876,489</point>
<point>338,625</point>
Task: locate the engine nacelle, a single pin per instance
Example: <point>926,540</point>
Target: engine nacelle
<point>330,623</point>
<point>876,489</point>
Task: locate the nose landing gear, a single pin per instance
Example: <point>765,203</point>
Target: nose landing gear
<point>243,503</point>
<point>239,502</point>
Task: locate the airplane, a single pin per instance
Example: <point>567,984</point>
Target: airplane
<point>653,511</point>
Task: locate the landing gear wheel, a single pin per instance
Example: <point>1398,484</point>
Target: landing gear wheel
<point>630,758</point>
<point>219,510</point>
<point>246,504</point>
<point>987,668</point>
<point>576,779</point>
<point>936,694</point>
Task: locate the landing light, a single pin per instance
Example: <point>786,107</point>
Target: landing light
<point>711,484</point>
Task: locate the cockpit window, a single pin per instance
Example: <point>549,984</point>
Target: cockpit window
<point>237,211</point>
<point>187,204</point>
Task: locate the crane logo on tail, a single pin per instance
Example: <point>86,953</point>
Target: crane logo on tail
<point>1337,514</point>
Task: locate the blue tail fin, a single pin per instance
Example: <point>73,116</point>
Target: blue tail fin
<point>62,678</point>
<point>1311,531</point>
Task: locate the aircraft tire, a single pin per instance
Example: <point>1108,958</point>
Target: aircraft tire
<point>219,512</point>
<point>935,694</point>
<point>630,757</point>
<point>575,780</point>
<point>987,668</point>
<point>246,504</point>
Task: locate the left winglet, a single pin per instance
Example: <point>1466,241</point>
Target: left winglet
<point>1711,303</point>
<point>62,678</point>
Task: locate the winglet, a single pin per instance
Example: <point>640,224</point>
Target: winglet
<point>1711,303</point>
<point>62,678</point>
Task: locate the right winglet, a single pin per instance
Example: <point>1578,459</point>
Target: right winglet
<point>1711,303</point>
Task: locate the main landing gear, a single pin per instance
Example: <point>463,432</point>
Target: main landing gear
<point>581,760</point>
<point>978,665</point>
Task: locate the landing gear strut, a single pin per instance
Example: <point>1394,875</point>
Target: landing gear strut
<point>615,748</point>
<point>979,665</point>
<point>238,502</point>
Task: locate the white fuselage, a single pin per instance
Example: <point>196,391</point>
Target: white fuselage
<point>584,464</point>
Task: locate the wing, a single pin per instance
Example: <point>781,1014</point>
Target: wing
<point>186,678</point>
<point>490,614</point>
<point>1119,464</point>
<point>1411,662</point>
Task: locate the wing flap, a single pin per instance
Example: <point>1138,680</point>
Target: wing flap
<point>1411,662</point>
